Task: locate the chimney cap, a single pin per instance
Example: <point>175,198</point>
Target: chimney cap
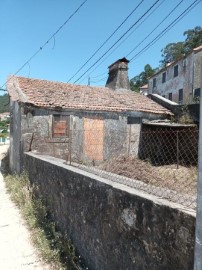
<point>121,60</point>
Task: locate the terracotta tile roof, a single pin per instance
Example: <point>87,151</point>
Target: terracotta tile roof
<point>49,94</point>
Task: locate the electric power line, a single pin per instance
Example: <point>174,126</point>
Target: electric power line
<point>155,28</point>
<point>100,80</point>
<point>138,26</point>
<point>51,37</point>
<point>94,77</point>
<point>117,41</point>
<point>106,40</point>
<point>123,40</point>
<point>187,10</point>
<point>171,25</point>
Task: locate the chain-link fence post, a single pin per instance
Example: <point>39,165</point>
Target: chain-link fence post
<point>70,147</point>
<point>69,154</point>
<point>129,140</point>
<point>177,149</point>
<point>198,232</point>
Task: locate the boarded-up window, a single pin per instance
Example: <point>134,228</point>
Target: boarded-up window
<point>60,126</point>
<point>94,138</point>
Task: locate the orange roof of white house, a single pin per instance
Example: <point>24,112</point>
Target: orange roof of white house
<point>144,87</point>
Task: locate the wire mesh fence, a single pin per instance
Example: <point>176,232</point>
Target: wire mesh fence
<point>158,160</point>
<point>161,162</point>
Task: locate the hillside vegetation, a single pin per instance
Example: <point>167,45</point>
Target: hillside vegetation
<point>4,103</point>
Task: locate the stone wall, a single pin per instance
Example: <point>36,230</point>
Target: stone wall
<point>111,225</point>
<point>15,150</point>
<point>93,137</point>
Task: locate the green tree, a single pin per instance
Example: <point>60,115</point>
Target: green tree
<point>172,52</point>
<point>142,78</point>
<point>193,39</point>
<point>4,103</point>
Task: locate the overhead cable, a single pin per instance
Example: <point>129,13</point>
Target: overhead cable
<point>171,25</point>
<point>124,40</point>
<point>106,40</point>
<point>133,25</point>
<point>155,28</point>
<point>51,37</point>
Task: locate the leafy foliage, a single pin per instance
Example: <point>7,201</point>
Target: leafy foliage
<point>4,129</point>
<point>193,39</point>
<point>4,103</point>
<point>142,78</point>
<point>174,51</point>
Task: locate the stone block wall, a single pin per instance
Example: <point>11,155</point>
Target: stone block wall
<point>92,137</point>
<point>15,150</point>
<point>111,225</point>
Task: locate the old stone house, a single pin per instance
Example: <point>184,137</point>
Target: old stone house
<point>181,80</point>
<point>77,122</point>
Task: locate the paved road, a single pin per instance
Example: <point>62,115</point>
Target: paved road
<point>16,251</point>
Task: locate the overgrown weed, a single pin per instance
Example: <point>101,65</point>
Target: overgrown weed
<point>54,249</point>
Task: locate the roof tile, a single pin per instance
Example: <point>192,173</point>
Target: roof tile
<point>49,94</point>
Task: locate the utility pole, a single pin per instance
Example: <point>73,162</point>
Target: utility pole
<point>88,80</point>
<point>198,231</point>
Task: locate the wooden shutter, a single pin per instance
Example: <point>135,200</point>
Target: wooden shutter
<point>60,126</point>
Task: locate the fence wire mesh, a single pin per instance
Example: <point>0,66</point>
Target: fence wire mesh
<point>158,160</point>
<point>162,162</point>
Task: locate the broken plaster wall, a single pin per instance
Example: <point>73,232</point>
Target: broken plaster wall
<point>93,137</point>
<point>88,133</point>
<point>197,80</point>
<point>113,226</point>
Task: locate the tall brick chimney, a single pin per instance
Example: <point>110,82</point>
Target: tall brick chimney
<point>118,75</point>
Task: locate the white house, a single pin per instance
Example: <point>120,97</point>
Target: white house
<point>179,81</point>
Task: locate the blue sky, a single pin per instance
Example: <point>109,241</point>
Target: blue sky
<point>25,25</point>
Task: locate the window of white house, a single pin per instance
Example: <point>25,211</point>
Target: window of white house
<point>176,71</point>
<point>154,82</point>
<point>197,92</point>
<point>170,96</point>
<point>60,126</point>
<point>164,77</point>
<point>180,97</point>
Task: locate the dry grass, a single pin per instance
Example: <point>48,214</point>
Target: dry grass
<point>181,179</point>
<point>54,249</point>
